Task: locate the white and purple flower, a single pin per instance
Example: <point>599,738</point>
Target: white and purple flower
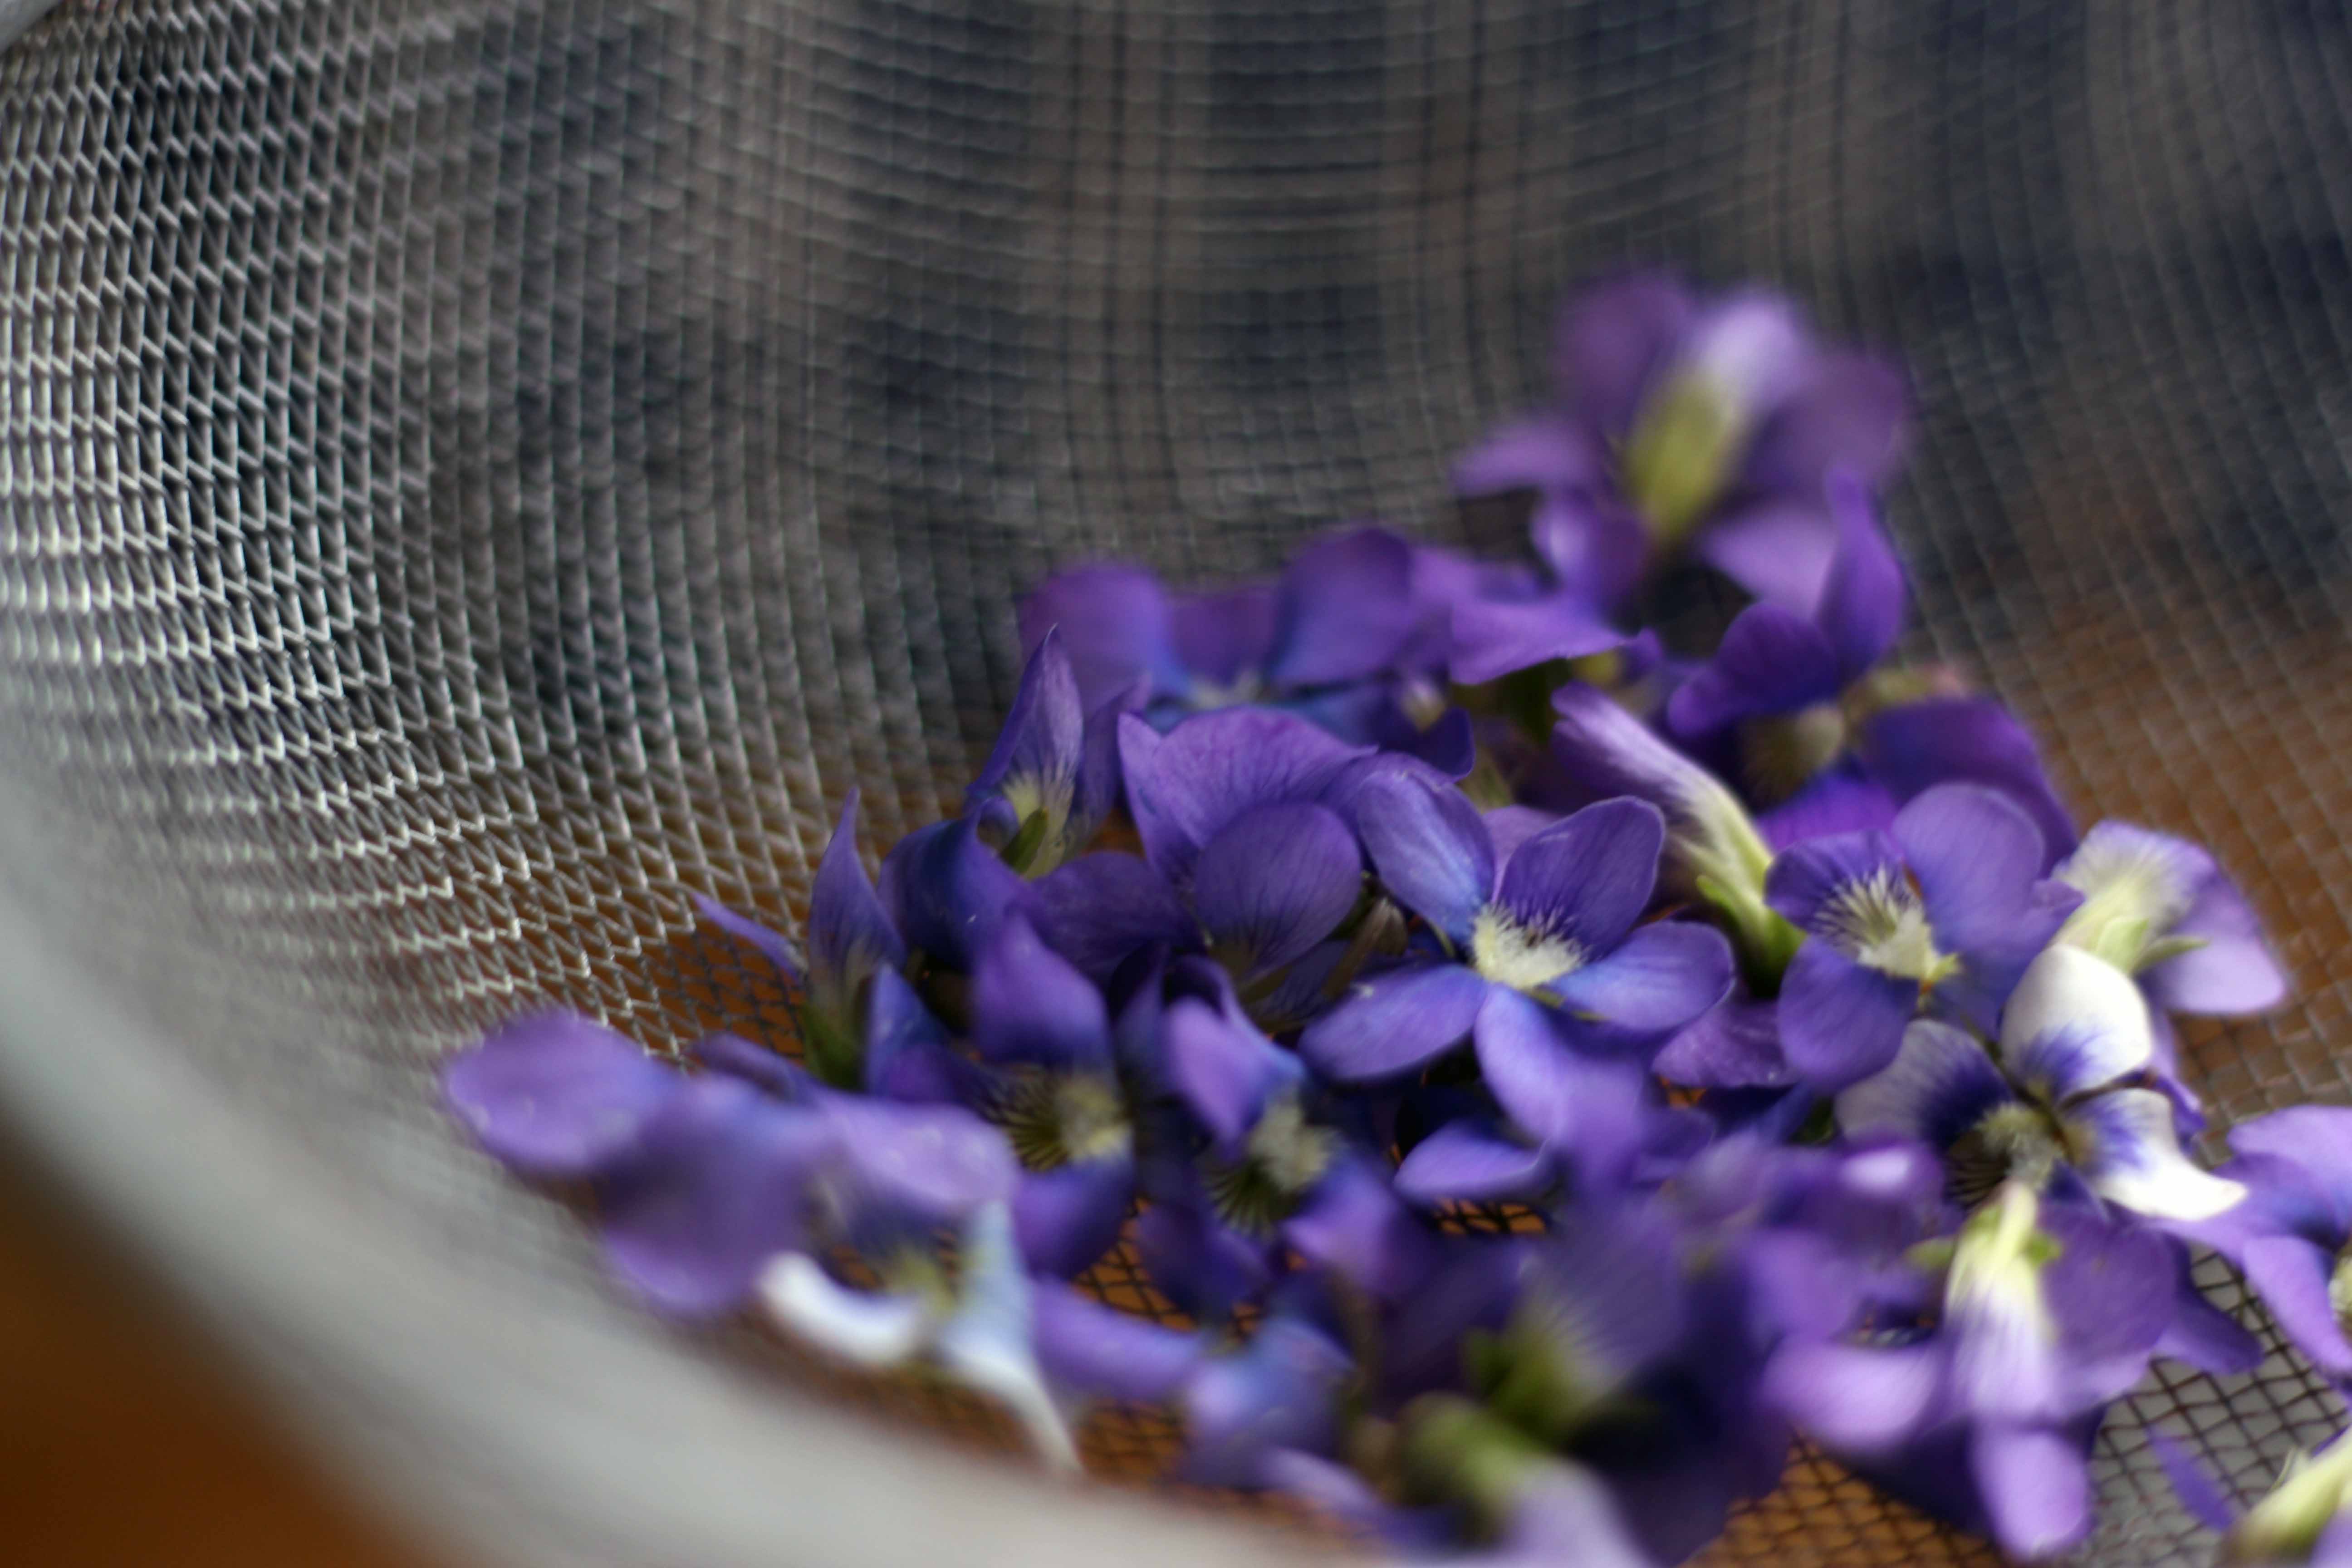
<point>2067,1103</point>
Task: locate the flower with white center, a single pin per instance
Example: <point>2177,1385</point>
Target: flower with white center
<point>1542,952</point>
<point>1948,906</point>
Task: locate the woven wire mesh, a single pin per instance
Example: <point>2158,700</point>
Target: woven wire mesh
<point>473,475</point>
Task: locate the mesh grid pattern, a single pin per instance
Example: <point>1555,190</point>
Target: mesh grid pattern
<point>471,474</point>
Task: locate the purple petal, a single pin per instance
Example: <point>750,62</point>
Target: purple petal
<point>919,1164</point>
<point>2110,1290</point>
<point>2204,1336</point>
<point>1543,453</point>
<point>1609,752</point>
<point>2292,1276</point>
<point>1099,788</point>
<point>2191,1484</point>
<point>1098,909</point>
<point>1840,1023</point>
<point>1660,977</point>
<point>2073,1024</point>
<point>1279,1391</point>
<point>1275,881</point>
<point>906,1053</point>
<point>1222,1067</point>
<point>773,944</point>
<point>1607,1286</point>
<point>1464,1162</point>
<point>945,891</point>
<point>1861,611</point>
<point>1851,411</point>
<point>775,1075</point>
<point>1205,1267</point>
<point>1779,550</point>
<point>2234,973</point>
<point>1117,625</point>
<point>1857,1401</point>
<point>1612,340</point>
<point>1976,855</point>
<point>1915,746</point>
<point>1586,880</point>
<point>2035,1487</point>
<point>2128,1153</point>
<point>1088,1348</point>
<point>714,1192</point>
<point>1185,786</point>
<point>1068,1217</point>
<point>1345,607</point>
<point>1588,1109</point>
<point>1771,661</point>
<point>1354,1227</point>
<point>1509,826</point>
<point>1842,800</point>
<point>1430,849</point>
<point>1564,1515</point>
<point>2314,1139</point>
<point>849,932</point>
<point>1596,546</point>
<point>1043,742</point>
<point>1029,1005</point>
<point>1941,1083</point>
<point>557,1095</point>
<point>1394,1023</point>
<point>1736,1044</point>
<point>1810,881</point>
<point>1753,349</point>
<point>1492,638</point>
<point>1223,637</point>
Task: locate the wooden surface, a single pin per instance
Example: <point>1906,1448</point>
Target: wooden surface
<point>124,1440</point>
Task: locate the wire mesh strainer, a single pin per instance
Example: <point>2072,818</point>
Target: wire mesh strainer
<point>471,474</point>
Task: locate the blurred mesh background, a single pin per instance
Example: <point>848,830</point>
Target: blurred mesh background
<point>472,474</point>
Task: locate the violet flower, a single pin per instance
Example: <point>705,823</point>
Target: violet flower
<point>2292,1237</point>
<point>1680,420</point>
<point>1053,776</point>
<point>2047,1314</point>
<point>1544,950</point>
<point>1780,672</point>
<point>1947,904</point>
<point>851,939</point>
<point>2066,1101</point>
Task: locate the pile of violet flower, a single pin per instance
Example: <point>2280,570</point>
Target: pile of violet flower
<point>1825,1071</point>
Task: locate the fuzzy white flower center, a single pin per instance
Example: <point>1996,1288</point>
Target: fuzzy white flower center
<point>1880,923</point>
<point>1054,1120</point>
<point>1524,958</point>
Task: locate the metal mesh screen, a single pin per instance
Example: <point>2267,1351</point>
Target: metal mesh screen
<point>471,474</point>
